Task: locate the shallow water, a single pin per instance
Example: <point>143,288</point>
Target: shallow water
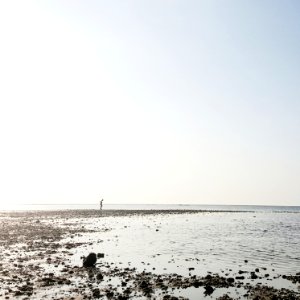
<point>218,240</point>
<point>207,242</point>
<point>189,244</point>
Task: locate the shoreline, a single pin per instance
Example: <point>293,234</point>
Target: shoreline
<point>89,213</point>
<point>37,262</point>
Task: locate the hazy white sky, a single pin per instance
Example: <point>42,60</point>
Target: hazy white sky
<point>150,102</point>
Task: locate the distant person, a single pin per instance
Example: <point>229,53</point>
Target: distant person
<point>101,205</point>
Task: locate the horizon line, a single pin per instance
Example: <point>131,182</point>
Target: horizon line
<point>181,204</point>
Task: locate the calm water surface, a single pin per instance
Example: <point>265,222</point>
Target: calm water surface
<point>217,242</point>
<point>267,236</point>
<point>213,241</point>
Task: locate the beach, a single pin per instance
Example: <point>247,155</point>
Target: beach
<point>150,254</point>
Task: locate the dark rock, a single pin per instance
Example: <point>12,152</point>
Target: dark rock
<point>197,284</point>
<point>96,293</point>
<point>143,284</point>
<point>90,260</point>
<point>230,280</point>
<point>110,294</point>
<point>225,297</point>
<point>19,293</point>
<point>295,279</point>
<point>168,297</point>
<point>100,255</point>
<point>146,287</point>
<point>208,290</point>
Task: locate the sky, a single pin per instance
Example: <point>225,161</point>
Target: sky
<point>194,102</point>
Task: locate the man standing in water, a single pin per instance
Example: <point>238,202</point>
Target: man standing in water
<point>101,205</point>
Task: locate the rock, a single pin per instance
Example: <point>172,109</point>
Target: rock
<point>100,255</point>
<point>208,290</point>
<point>96,293</point>
<point>90,260</point>
<point>230,280</point>
<point>143,284</point>
<point>122,297</point>
<point>169,297</point>
<point>294,278</point>
<point>145,287</point>
<point>225,297</point>
<point>109,294</point>
<point>19,293</point>
<point>197,284</point>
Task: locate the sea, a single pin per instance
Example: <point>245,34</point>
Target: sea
<point>224,240</point>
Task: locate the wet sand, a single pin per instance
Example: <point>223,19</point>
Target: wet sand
<point>37,262</point>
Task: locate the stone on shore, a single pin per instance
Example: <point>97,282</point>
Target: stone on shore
<point>90,260</point>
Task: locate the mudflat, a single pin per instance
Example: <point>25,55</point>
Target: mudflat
<point>42,255</point>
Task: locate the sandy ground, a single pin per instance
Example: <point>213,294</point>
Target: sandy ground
<point>36,263</point>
